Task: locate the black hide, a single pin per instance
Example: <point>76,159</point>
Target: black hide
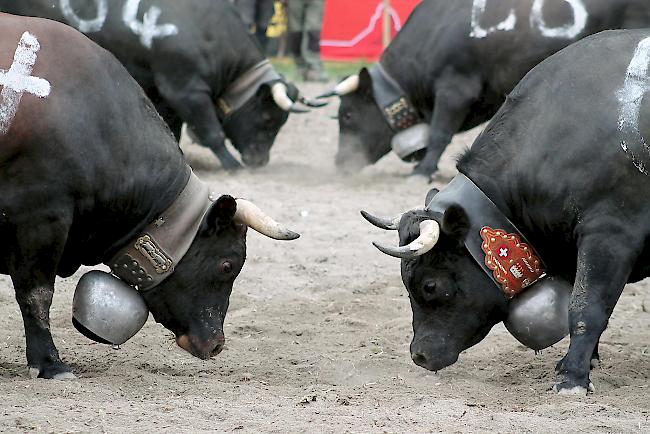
<point>185,72</point>
<point>84,170</point>
<point>566,163</point>
<point>456,80</point>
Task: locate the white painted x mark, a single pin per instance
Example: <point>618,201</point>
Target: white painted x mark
<point>18,80</point>
<point>503,252</point>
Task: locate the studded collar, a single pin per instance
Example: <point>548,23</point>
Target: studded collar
<point>151,257</point>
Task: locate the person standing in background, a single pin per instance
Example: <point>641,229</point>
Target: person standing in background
<point>256,15</point>
<point>305,23</point>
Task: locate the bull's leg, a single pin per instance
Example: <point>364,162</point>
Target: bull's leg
<point>454,96</point>
<point>172,119</point>
<point>33,272</point>
<point>603,271</point>
<point>594,363</point>
<point>193,103</point>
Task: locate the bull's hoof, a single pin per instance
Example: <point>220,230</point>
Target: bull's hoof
<point>569,388</point>
<point>65,376</point>
<point>59,371</point>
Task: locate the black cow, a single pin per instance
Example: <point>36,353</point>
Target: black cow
<point>195,60</point>
<point>454,62</point>
<point>565,162</point>
<point>86,164</point>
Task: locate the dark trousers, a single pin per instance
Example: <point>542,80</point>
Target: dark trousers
<point>256,15</point>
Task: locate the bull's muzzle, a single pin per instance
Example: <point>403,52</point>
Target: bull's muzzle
<point>203,349</point>
<point>431,358</point>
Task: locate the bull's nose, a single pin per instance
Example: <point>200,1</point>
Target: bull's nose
<point>349,164</point>
<point>203,349</point>
<point>255,160</point>
<point>419,359</point>
<point>217,349</point>
<point>434,360</point>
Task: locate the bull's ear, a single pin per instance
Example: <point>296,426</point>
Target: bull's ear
<point>264,91</point>
<point>430,196</point>
<point>365,82</point>
<point>455,222</point>
<point>221,212</point>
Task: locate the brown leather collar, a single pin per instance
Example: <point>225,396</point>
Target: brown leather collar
<point>243,89</point>
<point>398,110</point>
<point>151,257</point>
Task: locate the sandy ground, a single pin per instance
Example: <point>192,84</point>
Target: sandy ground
<point>318,332</point>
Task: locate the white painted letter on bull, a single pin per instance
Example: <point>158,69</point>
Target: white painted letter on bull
<point>85,26</point>
<point>637,85</point>
<point>18,80</point>
<point>479,32</point>
<point>567,31</point>
<point>147,28</point>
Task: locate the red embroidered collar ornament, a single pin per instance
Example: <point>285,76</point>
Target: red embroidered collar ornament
<point>515,265</point>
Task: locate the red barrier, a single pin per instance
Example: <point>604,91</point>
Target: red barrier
<point>352,29</point>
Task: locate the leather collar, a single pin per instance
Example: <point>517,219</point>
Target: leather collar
<point>494,242</point>
<point>396,107</point>
<point>245,87</point>
<point>151,257</point>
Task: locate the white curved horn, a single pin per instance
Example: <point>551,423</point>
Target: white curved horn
<point>253,217</point>
<point>282,99</point>
<point>429,235</point>
<point>347,86</point>
<point>387,223</point>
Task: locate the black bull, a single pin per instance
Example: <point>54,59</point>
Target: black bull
<point>566,160</point>
<point>184,54</point>
<point>456,61</point>
<point>85,164</point>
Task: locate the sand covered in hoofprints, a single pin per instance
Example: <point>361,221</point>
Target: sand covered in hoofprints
<point>318,332</point>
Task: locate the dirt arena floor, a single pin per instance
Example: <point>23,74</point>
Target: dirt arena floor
<point>318,332</point>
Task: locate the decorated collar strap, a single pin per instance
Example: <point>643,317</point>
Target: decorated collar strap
<point>396,107</point>
<point>494,242</point>
<point>152,256</point>
<point>245,87</point>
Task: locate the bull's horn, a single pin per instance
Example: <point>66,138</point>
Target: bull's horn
<point>389,224</point>
<point>282,99</point>
<point>429,234</point>
<point>345,87</point>
<point>311,103</point>
<point>253,217</point>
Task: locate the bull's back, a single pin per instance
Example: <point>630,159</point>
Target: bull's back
<point>569,141</point>
<point>91,99</point>
<point>506,38</point>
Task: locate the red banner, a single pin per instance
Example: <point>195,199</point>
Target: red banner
<point>353,29</point>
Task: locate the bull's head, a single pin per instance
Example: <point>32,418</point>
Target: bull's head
<point>253,127</point>
<point>364,134</point>
<point>454,303</point>
<point>193,301</point>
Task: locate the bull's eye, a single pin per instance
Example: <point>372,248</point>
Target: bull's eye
<point>429,289</point>
<point>434,291</point>
<point>225,267</point>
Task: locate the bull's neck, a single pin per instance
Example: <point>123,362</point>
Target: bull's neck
<point>147,201</point>
<point>512,185</point>
<point>135,190</point>
<point>410,74</point>
<point>236,53</point>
